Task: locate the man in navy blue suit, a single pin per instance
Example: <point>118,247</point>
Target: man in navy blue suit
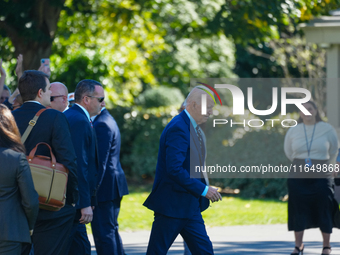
<point>51,228</point>
<point>177,199</point>
<point>89,97</point>
<point>113,186</point>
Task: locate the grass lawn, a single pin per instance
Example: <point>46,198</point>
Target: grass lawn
<point>230,211</point>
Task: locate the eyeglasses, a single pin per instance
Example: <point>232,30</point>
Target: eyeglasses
<point>52,97</point>
<point>100,99</point>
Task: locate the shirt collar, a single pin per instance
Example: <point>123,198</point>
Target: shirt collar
<point>86,112</point>
<point>193,122</point>
<point>33,101</point>
<point>66,109</point>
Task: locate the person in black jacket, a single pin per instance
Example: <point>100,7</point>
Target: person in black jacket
<point>89,96</point>
<point>19,202</point>
<point>52,227</point>
<point>112,186</point>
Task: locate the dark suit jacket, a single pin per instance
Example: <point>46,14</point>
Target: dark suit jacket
<point>84,142</point>
<point>19,204</point>
<point>8,104</point>
<point>53,129</point>
<point>174,193</point>
<point>112,181</point>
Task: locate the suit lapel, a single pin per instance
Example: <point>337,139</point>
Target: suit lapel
<point>77,108</point>
<point>196,145</point>
<point>194,136</point>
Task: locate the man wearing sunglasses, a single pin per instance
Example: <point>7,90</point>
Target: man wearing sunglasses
<point>89,99</point>
<point>59,94</point>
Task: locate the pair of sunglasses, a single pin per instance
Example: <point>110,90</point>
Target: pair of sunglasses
<point>100,99</point>
<point>52,97</point>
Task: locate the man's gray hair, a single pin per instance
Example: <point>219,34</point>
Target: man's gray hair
<point>195,95</point>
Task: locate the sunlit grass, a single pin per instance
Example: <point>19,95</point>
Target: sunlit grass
<point>230,211</point>
<point>133,215</point>
<point>235,211</point>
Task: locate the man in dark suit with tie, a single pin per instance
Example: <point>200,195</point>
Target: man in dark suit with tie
<point>177,199</point>
<point>89,98</point>
<point>113,186</point>
<point>51,227</point>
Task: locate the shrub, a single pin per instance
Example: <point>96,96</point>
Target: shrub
<point>160,96</point>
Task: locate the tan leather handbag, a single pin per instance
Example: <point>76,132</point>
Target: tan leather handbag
<point>49,177</point>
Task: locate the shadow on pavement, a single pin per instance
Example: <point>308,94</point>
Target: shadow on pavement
<point>237,248</point>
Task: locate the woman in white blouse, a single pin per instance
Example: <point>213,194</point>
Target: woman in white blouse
<point>310,145</point>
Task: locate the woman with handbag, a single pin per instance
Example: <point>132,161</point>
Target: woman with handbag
<point>19,204</point>
<point>312,147</point>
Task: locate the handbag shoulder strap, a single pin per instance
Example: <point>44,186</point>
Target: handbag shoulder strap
<point>31,124</point>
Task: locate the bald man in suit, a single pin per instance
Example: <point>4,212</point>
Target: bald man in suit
<point>176,198</point>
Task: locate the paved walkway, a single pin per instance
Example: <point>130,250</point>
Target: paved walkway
<point>236,240</point>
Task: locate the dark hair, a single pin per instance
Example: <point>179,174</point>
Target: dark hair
<point>9,133</point>
<point>85,88</point>
<point>317,117</point>
<point>30,83</point>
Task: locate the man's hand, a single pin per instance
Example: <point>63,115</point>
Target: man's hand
<point>19,69</point>
<point>86,215</point>
<point>2,71</point>
<point>213,195</point>
<point>14,95</point>
<point>45,69</point>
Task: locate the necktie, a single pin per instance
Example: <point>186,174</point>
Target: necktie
<point>202,145</point>
<point>200,139</point>
<point>91,123</point>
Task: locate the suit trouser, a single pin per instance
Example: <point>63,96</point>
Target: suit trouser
<point>186,249</point>
<point>80,243</point>
<point>105,228</point>
<point>51,231</point>
<point>10,248</point>
<point>165,230</point>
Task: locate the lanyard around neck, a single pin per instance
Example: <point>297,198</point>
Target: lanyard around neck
<point>311,140</point>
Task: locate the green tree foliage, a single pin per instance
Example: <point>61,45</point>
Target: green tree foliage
<point>160,96</point>
<point>81,66</point>
<point>134,46</point>
<point>144,44</point>
<point>268,40</point>
<point>253,22</point>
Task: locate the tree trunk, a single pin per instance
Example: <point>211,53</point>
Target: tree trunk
<point>33,39</point>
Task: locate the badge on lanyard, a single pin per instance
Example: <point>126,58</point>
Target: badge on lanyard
<point>308,160</point>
